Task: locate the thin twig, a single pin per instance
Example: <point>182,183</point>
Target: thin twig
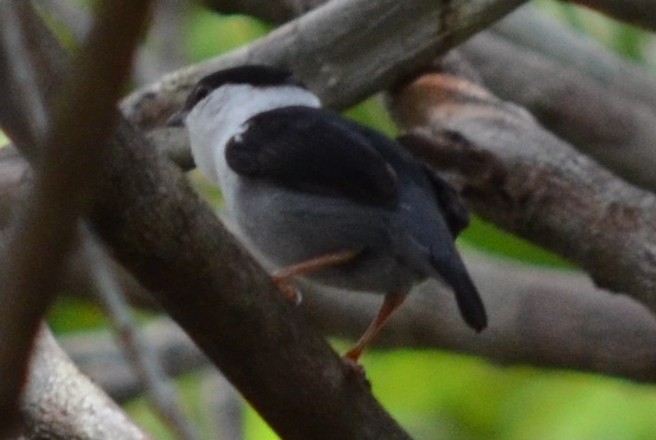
<point>17,73</point>
<point>162,394</point>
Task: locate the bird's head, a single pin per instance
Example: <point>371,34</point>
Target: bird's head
<point>247,78</point>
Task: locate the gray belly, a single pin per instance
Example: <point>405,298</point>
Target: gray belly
<point>288,228</point>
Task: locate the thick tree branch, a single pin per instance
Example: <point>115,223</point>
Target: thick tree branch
<point>174,244</point>
<point>36,250</point>
<point>344,50</point>
<point>529,182</point>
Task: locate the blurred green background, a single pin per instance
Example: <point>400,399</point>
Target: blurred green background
<point>438,394</point>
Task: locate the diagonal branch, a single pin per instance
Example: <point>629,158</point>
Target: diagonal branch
<point>160,391</point>
<point>531,183</point>
<point>344,50</point>
<point>157,227</point>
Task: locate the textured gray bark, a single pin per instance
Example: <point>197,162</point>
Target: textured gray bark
<point>60,403</point>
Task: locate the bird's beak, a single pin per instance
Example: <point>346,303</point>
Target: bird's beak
<point>177,119</point>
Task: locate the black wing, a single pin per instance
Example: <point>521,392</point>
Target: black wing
<point>315,151</point>
<point>455,212</point>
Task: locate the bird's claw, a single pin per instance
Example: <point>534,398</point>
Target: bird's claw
<point>289,292</point>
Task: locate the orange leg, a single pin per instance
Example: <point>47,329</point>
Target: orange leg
<point>390,304</point>
<point>282,277</point>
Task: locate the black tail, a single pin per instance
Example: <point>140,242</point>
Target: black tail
<point>453,271</point>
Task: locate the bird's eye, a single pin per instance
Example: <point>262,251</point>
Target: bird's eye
<point>201,93</point>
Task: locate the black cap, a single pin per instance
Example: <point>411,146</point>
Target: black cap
<point>258,75</point>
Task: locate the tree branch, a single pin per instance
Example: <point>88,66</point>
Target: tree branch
<point>343,50</point>
<point>531,183</point>
<point>174,244</point>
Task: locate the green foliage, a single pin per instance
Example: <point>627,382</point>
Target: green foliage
<point>487,237</point>
<point>209,34</point>
<point>72,314</point>
<point>372,113</point>
<point>626,40</point>
<point>438,395</point>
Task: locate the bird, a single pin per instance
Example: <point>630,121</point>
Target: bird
<point>325,198</point>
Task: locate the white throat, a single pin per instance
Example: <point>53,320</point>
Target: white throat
<point>222,114</point>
